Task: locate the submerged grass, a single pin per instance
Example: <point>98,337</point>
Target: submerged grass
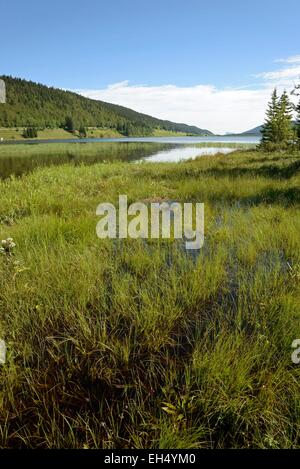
<point>132,344</point>
<point>19,159</point>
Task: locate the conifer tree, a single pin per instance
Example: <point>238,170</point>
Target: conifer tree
<point>30,132</point>
<point>69,124</point>
<point>278,128</point>
<point>82,131</point>
<point>297,93</point>
<point>298,122</point>
<point>285,115</point>
<point>270,127</point>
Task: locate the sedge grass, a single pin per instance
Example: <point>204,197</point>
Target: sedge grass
<point>132,344</point>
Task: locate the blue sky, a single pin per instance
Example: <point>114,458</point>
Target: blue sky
<point>154,46</point>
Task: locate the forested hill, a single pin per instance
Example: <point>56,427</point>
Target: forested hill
<point>36,105</point>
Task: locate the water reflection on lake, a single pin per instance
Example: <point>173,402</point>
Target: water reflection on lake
<point>23,158</point>
<point>176,155</point>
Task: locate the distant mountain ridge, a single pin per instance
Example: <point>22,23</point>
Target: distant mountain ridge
<point>34,104</point>
<point>255,131</point>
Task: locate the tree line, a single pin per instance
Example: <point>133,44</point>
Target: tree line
<point>280,131</point>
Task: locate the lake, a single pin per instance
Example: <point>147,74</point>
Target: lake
<point>22,157</point>
<point>175,155</point>
<point>176,140</point>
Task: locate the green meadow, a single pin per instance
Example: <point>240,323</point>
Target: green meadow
<point>140,344</point>
<point>16,133</point>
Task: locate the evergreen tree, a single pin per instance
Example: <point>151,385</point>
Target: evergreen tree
<point>296,92</point>
<point>69,124</point>
<point>278,128</point>
<point>285,115</point>
<point>298,121</point>
<point>30,132</point>
<point>270,127</point>
<point>82,132</point>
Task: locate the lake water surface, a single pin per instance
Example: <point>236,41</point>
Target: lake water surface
<point>176,140</point>
<point>176,155</point>
<point>22,157</point>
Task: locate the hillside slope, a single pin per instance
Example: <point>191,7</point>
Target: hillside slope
<point>256,131</point>
<point>32,104</point>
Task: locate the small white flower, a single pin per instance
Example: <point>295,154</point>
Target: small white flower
<point>7,245</point>
<point>2,352</point>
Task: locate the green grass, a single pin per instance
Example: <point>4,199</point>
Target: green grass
<point>87,149</point>
<point>92,132</point>
<point>170,133</point>
<point>46,134</point>
<point>133,344</point>
<point>54,134</point>
<point>20,158</point>
<point>11,134</point>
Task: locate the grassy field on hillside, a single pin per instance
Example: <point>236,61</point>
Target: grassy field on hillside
<point>54,134</point>
<point>169,133</point>
<point>102,133</point>
<point>11,134</point>
<point>46,134</point>
<point>91,132</point>
<point>134,344</point>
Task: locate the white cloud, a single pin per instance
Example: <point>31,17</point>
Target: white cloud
<point>208,107</point>
<point>231,110</point>
<point>290,73</point>
<point>286,76</point>
<point>290,60</point>
<point>115,86</point>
